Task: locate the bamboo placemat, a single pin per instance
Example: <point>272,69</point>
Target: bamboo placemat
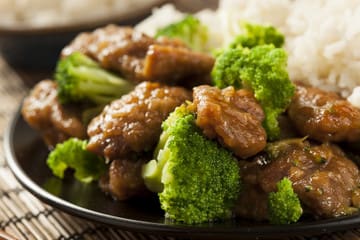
<point>25,217</point>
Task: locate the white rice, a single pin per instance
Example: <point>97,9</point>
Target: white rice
<point>322,36</point>
<point>324,44</point>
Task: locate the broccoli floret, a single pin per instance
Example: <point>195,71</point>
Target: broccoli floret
<point>80,79</point>
<point>228,66</point>
<point>197,180</point>
<point>190,30</point>
<point>73,154</point>
<point>284,205</point>
<point>263,70</point>
<point>255,35</point>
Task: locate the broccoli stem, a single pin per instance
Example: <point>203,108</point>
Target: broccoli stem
<point>99,85</point>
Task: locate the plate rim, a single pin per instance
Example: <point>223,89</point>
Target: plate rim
<point>318,227</point>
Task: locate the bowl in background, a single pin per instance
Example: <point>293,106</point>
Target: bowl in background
<point>34,47</point>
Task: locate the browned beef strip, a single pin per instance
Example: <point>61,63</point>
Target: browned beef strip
<point>168,63</point>
<point>56,122</point>
<point>233,117</point>
<point>325,180</point>
<point>133,123</point>
<point>139,57</point>
<point>123,180</point>
<point>324,116</point>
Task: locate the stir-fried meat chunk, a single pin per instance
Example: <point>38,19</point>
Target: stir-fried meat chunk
<point>133,123</point>
<point>56,122</point>
<point>124,180</point>
<point>323,177</point>
<point>324,116</point>
<point>164,63</point>
<point>139,57</point>
<point>252,203</point>
<point>233,117</point>
<point>325,181</point>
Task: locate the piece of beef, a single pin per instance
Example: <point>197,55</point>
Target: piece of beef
<point>56,122</point>
<point>139,57</point>
<point>132,124</point>
<point>123,180</point>
<point>252,203</point>
<point>325,180</point>
<point>324,116</point>
<point>233,117</point>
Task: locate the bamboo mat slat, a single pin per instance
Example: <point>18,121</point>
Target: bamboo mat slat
<point>24,217</point>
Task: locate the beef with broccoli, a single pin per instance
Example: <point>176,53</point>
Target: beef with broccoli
<point>211,155</point>
<point>138,57</point>
<point>325,180</point>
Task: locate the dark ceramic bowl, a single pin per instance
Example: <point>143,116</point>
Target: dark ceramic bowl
<point>39,47</point>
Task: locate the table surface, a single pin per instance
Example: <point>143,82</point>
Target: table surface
<point>23,216</point>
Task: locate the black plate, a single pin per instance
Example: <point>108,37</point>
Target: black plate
<point>26,154</point>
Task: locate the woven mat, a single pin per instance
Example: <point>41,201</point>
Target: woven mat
<point>25,217</point>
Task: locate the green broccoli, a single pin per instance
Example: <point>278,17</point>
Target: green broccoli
<point>255,35</point>
<point>263,70</point>
<point>73,154</point>
<point>190,30</point>
<point>284,205</point>
<point>80,79</point>
<point>197,180</point>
